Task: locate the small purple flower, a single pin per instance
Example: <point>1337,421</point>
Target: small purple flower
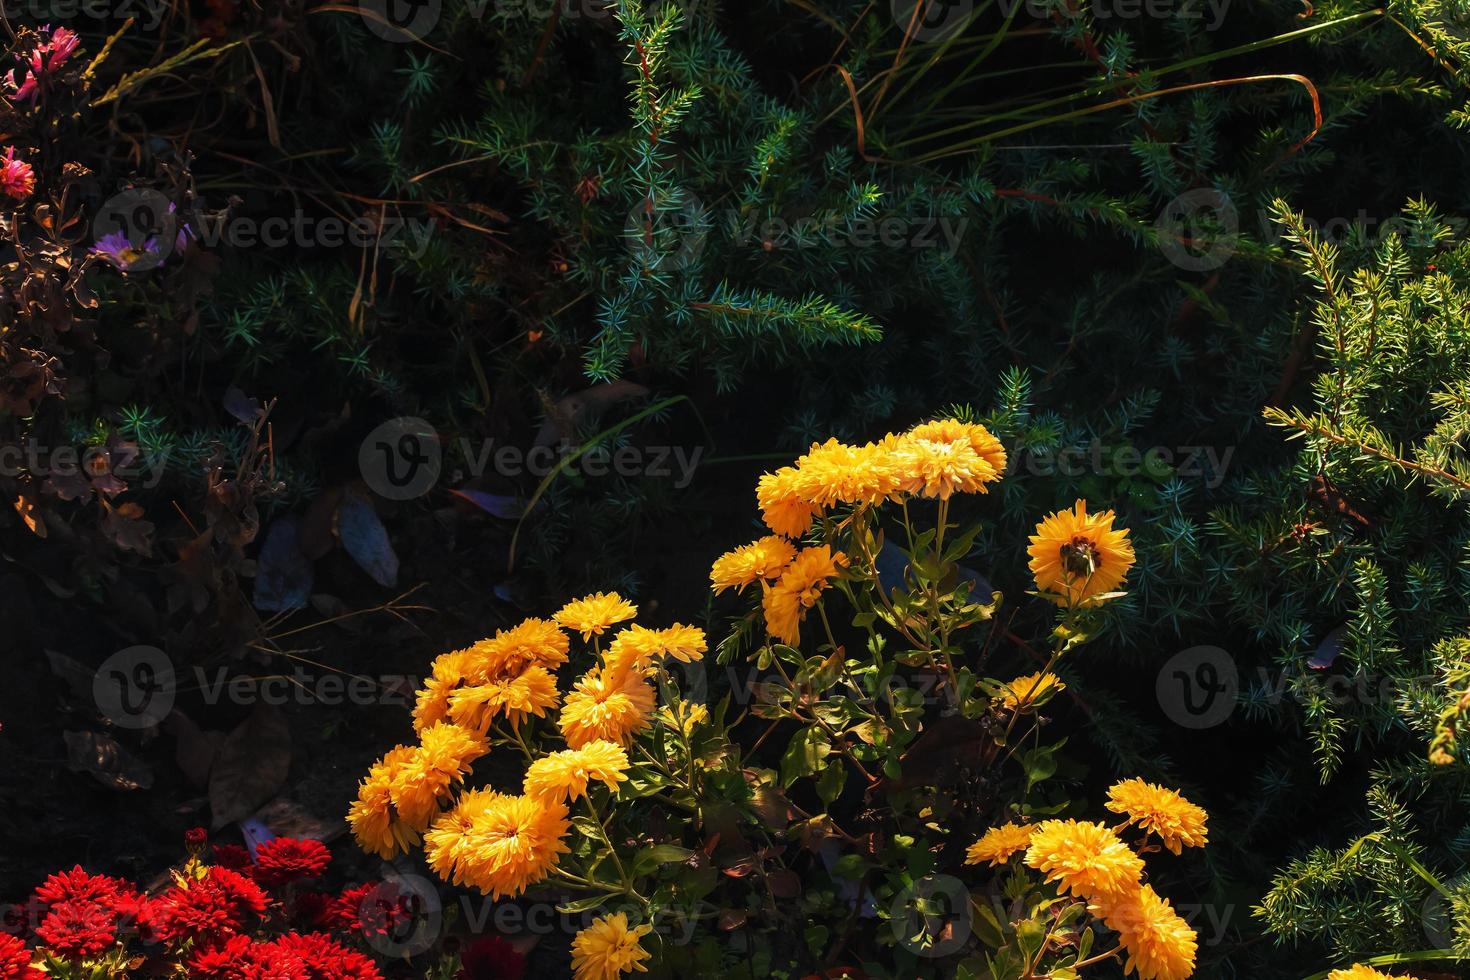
<point>122,254</point>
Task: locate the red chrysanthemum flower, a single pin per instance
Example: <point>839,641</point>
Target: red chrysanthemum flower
<point>219,961</point>
<point>377,908</point>
<point>78,930</point>
<point>491,958</point>
<point>286,859</point>
<point>195,838</point>
<point>231,856</point>
<point>272,961</point>
<point>327,959</point>
<point>81,887</point>
<point>212,908</point>
<point>15,960</point>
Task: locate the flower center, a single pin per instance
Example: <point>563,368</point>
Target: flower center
<point>1080,557</point>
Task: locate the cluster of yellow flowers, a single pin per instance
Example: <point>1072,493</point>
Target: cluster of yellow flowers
<point>1092,863</point>
<point>501,843</point>
<point>1078,559</point>
<point>1359,972</point>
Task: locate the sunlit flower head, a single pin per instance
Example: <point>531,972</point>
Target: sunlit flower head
<point>783,508</point>
<point>424,777</point>
<point>447,841</point>
<point>17,179</point>
<point>1360,972</point>
<point>763,559</point>
<point>608,948</point>
<point>835,473</point>
<point>1029,689</point>
<point>1079,557</point>
<point>607,705</point>
<point>786,602</point>
<point>940,459</point>
<point>534,641</point>
<point>1086,859</point>
<point>593,614</point>
<point>531,693</point>
<point>1159,943</point>
<point>1178,822</point>
<point>511,844</point>
<point>564,776</point>
<point>373,817</point>
<point>997,844</point>
<point>637,647</point>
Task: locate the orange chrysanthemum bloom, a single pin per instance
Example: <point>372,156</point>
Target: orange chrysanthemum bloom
<point>534,641</point>
<point>940,459</point>
<point>637,646</point>
<point>1086,859</point>
<point>512,842</point>
<point>1155,809</point>
<point>608,705</point>
<point>1360,972</point>
<point>1079,557</point>
<point>1029,688</point>
<point>593,614</point>
<point>785,604</point>
<point>563,776</point>
<point>763,559</point>
<point>448,841</point>
<point>783,508</point>
<point>530,693</point>
<point>431,705</point>
<point>425,775</point>
<point>372,816</point>
<point>997,844</point>
<point>1160,944</point>
<point>834,473</point>
<point>608,948</point>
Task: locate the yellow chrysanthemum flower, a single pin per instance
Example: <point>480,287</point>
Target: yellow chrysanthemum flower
<point>782,507</point>
<point>1160,944</point>
<point>997,844</point>
<point>1079,557</point>
<point>608,948</point>
<point>511,843</point>
<point>1360,972</point>
<point>563,776</point>
<point>372,816</point>
<point>1029,688</point>
<point>785,603</point>
<point>1086,859</point>
<point>454,667</point>
<point>763,559</point>
<point>608,705</point>
<point>834,473</point>
<point>684,718</point>
<point>534,641</point>
<point>637,646</point>
<point>431,705</point>
<point>424,776</point>
<point>593,614</point>
<point>1178,822</point>
<point>940,459</point>
<point>532,692</point>
<point>448,841</point>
